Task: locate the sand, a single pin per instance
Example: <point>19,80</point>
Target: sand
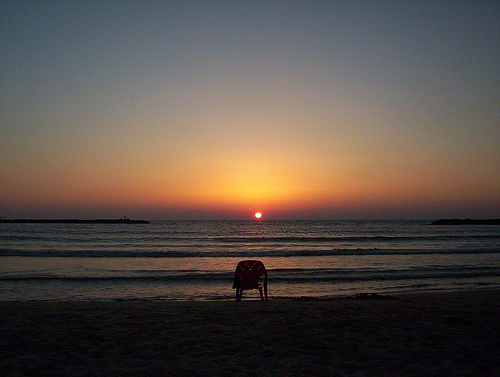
<point>421,334</point>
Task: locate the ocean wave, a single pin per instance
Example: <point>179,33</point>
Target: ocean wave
<point>320,239</point>
<point>274,275</point>
<point>243,253</point>
<point>182,239</point>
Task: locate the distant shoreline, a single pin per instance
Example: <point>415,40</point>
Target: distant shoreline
<point>466,222</point>
<point>131,221</point>
<point>74,221</point>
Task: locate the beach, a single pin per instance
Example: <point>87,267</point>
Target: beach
<point>440,333</point>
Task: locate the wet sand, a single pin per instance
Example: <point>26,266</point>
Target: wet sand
<point>420,334</point>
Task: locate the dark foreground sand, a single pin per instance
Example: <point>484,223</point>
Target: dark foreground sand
<point>424,334</point>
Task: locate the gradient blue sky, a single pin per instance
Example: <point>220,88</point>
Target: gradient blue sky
<point>217,109</point>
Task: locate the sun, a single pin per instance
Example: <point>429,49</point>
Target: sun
<point>258,215</point>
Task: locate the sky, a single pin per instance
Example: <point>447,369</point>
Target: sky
<point>218,109</point>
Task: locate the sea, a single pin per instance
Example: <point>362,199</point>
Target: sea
<point>195,260</point>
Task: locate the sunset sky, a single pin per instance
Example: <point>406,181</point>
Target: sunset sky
<point>218,109</point>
